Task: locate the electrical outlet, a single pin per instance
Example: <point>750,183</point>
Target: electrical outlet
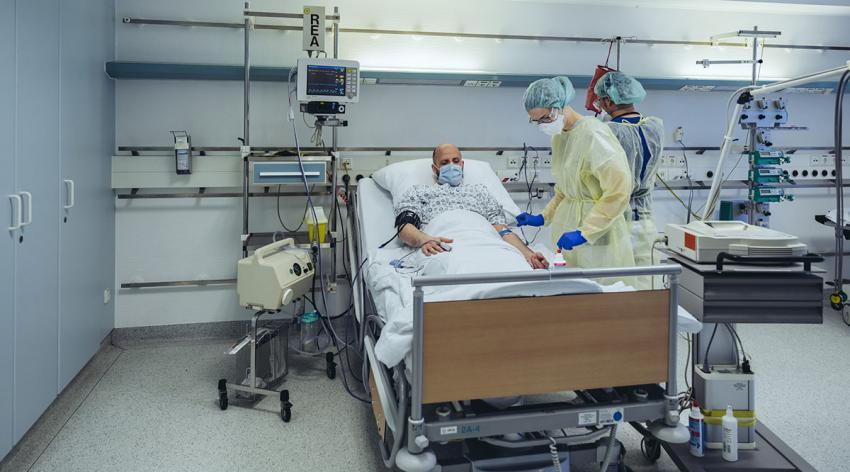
<point>513,162</point>
<point>678,134</point>
<point>535,162</point>
<point>346,164</point>
<point>546,161</point>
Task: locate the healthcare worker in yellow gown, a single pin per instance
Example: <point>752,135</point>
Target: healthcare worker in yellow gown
<point>642,138</point>
<point>593,182</point>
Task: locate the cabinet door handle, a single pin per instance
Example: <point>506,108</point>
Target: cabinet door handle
<point>16,212</point>
<point>69,194</point>
<point>29,208</point>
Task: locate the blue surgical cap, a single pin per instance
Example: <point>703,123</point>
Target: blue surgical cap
<point>549,93</point>
<point>622,89</point>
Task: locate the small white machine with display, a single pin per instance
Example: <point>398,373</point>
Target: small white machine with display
<point>275,275</point>
<point>328,80</point>
<point>702,241</point>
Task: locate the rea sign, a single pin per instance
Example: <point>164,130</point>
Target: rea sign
<point>314,29</point>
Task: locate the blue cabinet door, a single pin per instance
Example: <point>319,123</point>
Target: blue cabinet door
<point>7,247</point>
<point>88,228</point>
<point>37,172</point>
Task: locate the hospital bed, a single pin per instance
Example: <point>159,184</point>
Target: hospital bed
<point>613,349</point>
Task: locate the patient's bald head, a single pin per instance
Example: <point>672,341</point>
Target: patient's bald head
<point>446,154</point>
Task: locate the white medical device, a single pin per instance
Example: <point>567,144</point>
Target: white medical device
<point>702,241</point>
<point>275,275</point>
<point>328,80</point>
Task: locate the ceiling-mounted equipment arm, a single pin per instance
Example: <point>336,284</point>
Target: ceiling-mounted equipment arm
<point>745,96</point>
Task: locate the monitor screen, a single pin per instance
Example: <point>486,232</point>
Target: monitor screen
<point>326,80</point>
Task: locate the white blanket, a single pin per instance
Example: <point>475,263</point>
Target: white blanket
<point>476,248</point>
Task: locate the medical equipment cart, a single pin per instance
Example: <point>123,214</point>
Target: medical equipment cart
<point>741,289</point>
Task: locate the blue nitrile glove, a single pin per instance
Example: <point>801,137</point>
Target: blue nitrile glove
<point>525,219</point>
<point>571,239</point>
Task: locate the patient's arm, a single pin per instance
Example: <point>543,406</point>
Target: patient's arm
<point>414,237</point>
<point>535,259</point>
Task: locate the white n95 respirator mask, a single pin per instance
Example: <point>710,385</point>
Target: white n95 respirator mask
<point>553,127</point>
<point>451,174</point>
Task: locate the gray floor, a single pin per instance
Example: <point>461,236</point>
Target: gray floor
<point>152,407</point>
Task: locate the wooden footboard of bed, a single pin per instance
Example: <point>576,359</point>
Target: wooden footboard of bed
<point>535,345</point>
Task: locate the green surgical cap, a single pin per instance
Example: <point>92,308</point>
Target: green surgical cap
<point>555,92</point>
<point>622,89</point>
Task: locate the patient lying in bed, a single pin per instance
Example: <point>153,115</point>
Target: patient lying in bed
<point>422,204</point>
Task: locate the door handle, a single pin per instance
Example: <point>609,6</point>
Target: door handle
<point>29,208</point>
<point>16,212</point>
<point>70,194</point>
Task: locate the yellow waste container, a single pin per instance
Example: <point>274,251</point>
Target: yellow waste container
<point>322,221</point>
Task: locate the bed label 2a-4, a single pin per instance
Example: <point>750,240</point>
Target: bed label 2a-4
<point>466,429</point>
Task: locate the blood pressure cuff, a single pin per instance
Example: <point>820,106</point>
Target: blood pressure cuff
<point>407,217</point>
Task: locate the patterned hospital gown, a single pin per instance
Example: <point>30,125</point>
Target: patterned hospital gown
<point>429,201</point>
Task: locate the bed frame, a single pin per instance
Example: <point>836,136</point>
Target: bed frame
<point>606,346</point>
<point>475,349</point>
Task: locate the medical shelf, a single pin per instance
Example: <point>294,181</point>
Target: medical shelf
<point>184,71</point>
<point>323,190</point>
<point>772,454</point>
<point>180,283</point>
<point>388,150</point>
<point>187,283</point>
<point>320,190</point>
<point>302,240</point>
<point>746,293</point>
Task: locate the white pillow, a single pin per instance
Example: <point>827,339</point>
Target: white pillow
<point>399,177</point>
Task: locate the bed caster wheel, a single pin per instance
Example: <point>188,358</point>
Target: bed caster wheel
<point>330,368</point>
<point>285,406</point>
<point>651,449</point>
<point>222,394</point>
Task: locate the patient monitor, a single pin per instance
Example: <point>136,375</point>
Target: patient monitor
<point>274,276</point>
<point>329,80</point>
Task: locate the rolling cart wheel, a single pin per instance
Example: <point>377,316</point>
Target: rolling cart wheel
<point>285,406</point>
<point>330,368</point>
<point>651,449</point>
<point>837,300</point>
<point>222,394</point>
